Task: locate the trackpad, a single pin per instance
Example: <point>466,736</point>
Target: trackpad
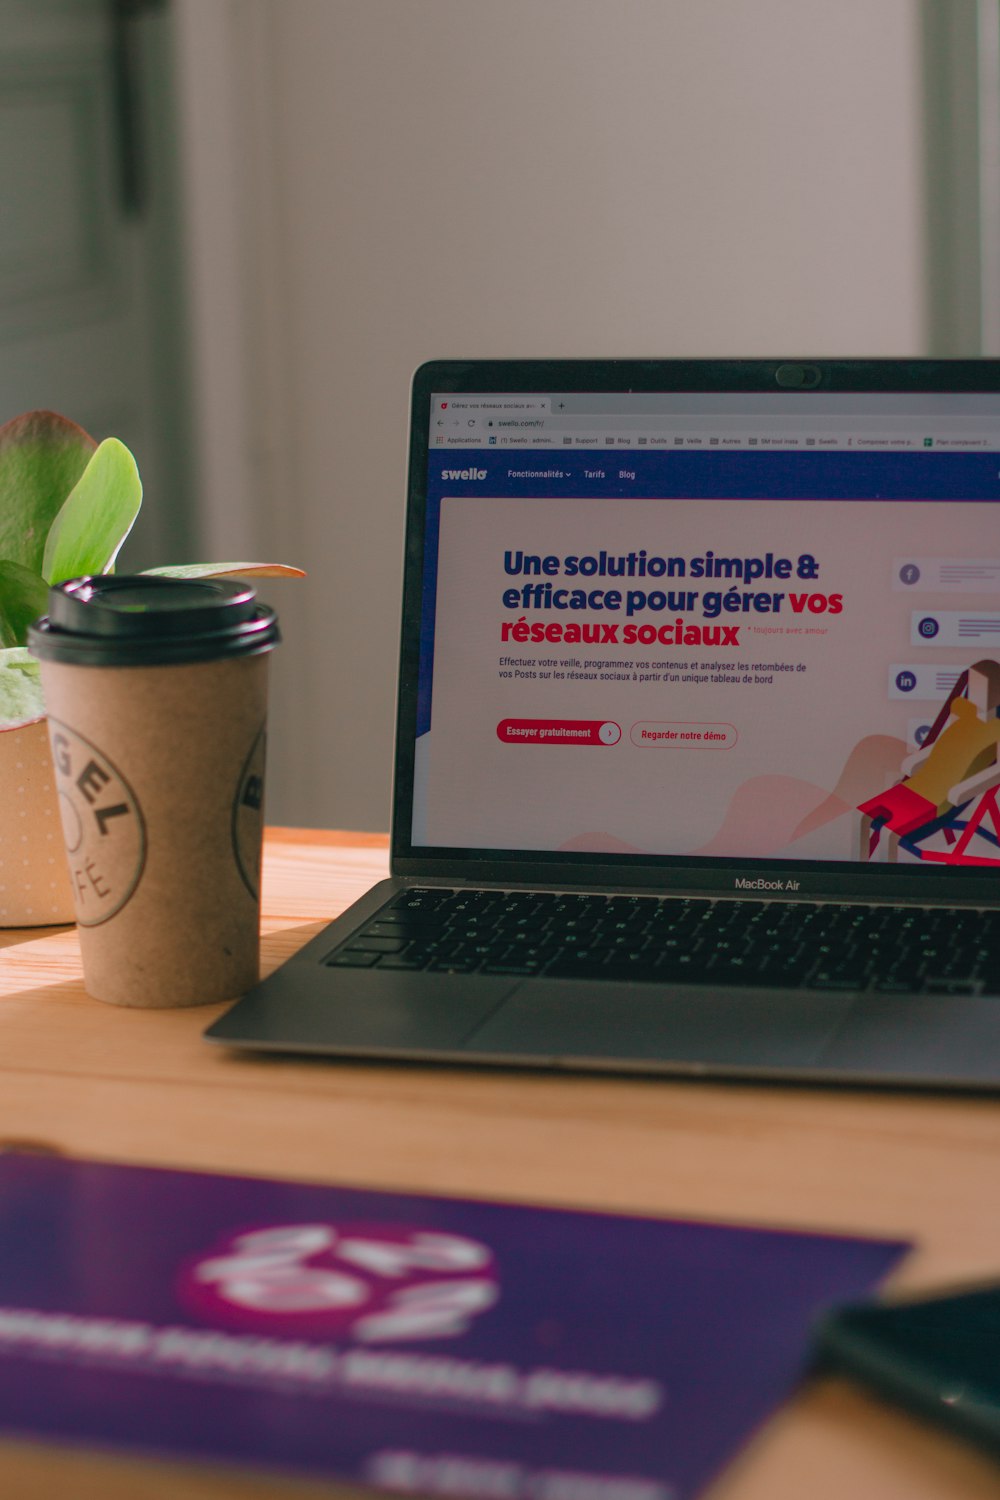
<point>552,1019</point>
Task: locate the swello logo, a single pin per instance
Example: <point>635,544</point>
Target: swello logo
<point>463,473</point>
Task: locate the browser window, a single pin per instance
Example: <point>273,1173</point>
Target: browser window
<point>710,627</point>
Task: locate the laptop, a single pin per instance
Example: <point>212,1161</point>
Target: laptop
<point>696,767</point>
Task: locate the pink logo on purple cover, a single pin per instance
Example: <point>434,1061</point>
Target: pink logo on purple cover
<point>372,1283</point>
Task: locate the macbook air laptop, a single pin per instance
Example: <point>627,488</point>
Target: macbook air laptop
<point>697,741</point>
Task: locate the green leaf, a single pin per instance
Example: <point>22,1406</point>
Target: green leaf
<point>97,516</point>
<point>21,698</point>
<point>24,596</point>
<point>221,570</point>
<point>42,455</point>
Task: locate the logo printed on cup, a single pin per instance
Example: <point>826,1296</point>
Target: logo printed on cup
<point>248,814</point>
<point>102,824</point>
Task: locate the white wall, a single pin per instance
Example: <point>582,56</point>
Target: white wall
<point>429,178</point>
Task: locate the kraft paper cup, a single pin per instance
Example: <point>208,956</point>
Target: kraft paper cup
<point>159,769</point>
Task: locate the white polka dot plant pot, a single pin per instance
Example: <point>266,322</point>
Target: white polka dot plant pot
<point>34,882</point>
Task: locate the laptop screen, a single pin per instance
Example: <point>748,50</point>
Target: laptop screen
<point>751,629</point>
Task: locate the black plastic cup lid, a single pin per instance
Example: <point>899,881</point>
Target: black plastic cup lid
<point>146,620</point>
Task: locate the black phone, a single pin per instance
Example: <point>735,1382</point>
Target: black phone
<point>939,1356</point>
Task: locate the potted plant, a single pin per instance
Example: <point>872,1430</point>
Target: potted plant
<point>66,505</point>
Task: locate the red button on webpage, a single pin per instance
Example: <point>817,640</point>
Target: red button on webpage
<point>558,732</point>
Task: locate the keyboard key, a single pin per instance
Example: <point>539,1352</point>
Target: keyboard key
<point>369,942</point>
<point>524,966</point>
<point>839,981</point>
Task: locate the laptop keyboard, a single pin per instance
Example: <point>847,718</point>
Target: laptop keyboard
<point>781,944</point>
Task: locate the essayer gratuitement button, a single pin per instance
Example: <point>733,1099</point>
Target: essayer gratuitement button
<point>558,732</point>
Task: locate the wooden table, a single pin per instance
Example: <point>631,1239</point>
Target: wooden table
<point>91,1080</point>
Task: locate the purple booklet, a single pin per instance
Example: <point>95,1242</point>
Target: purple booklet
<point>429,1345</point>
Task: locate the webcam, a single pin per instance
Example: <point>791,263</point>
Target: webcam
<point>798,377</point>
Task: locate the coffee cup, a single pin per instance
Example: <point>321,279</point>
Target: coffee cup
<point>156,694</point>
